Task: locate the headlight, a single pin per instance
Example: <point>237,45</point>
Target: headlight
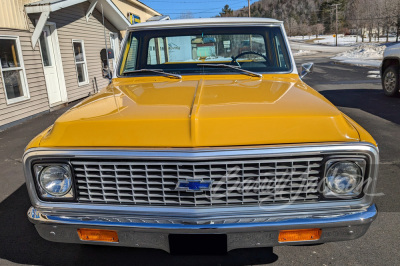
<point>344,178</point>
<point>54,180</point>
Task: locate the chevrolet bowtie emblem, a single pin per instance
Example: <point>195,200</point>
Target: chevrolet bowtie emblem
<point>193,185</point>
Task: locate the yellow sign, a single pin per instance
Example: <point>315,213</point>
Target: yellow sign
<point>133,19</point>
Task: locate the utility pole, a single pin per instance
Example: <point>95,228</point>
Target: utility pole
<point>248,1</point>
<point>336,6</point>
<point>105,41</point>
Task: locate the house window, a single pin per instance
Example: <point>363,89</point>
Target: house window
<point>80,62</point>
<point>12,70</point>
<point>45,49</point>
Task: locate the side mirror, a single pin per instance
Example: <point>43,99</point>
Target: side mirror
<point>306,69</point>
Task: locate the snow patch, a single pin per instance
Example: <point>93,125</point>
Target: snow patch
<point>303,52</point>
<point>343,40</point>
<point>374,74</point>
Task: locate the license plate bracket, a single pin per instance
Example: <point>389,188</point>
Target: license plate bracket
<point>198,244</point>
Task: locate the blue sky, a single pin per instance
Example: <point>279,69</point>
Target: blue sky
<point>198,8</point>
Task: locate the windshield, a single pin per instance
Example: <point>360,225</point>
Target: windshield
<point>185,51</point>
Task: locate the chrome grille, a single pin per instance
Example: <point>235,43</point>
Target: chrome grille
<point>234,182</point>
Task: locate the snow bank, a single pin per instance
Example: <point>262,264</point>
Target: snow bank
<point>364,55</point>
<point>365,51</point>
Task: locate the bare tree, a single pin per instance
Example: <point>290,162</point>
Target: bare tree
<point>354,13</point>
<point>318,29</point>
<point>369,18</point>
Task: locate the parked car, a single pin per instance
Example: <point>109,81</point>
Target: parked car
<point>229,150</point>
<point>390,70</point>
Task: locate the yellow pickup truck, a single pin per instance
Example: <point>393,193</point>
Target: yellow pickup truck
<point>197,140</point>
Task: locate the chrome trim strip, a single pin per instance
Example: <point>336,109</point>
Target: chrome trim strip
<point>366,149</point>
<point>201,22</point>
<point>363,216</point>
<point>205,152</point>
<point>206,25</point>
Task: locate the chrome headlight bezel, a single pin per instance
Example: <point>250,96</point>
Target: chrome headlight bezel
<point>38,168</point>
<point>361,163</point>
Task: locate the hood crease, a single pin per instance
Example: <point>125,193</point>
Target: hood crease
<point>194,109</point>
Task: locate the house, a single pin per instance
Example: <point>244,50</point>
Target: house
<point>135,10</point>
<point>51,53</point>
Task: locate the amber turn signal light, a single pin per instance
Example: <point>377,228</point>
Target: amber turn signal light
<point>98,235</point>
<point>299,235</point>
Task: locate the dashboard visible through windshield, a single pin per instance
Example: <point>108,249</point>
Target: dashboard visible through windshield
<point>249,50</point>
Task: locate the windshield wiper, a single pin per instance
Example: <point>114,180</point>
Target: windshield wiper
<point>250,73</point>
<point>158,71</point>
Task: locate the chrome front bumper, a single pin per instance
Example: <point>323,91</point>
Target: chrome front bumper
<point>148,234</point>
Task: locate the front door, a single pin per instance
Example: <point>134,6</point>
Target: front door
<point>51,62</point>
<point>114,40</point>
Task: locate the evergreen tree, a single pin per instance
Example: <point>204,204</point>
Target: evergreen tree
<point>226,12</point>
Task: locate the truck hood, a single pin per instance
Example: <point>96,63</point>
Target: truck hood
<point>201,111</point>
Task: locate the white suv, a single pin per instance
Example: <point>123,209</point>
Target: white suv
<point>390,70</point>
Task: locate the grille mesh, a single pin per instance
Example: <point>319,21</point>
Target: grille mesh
<point>234,182</point>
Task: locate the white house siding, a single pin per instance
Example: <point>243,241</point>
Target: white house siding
<point>38,101</point>
<point>71,25</point>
